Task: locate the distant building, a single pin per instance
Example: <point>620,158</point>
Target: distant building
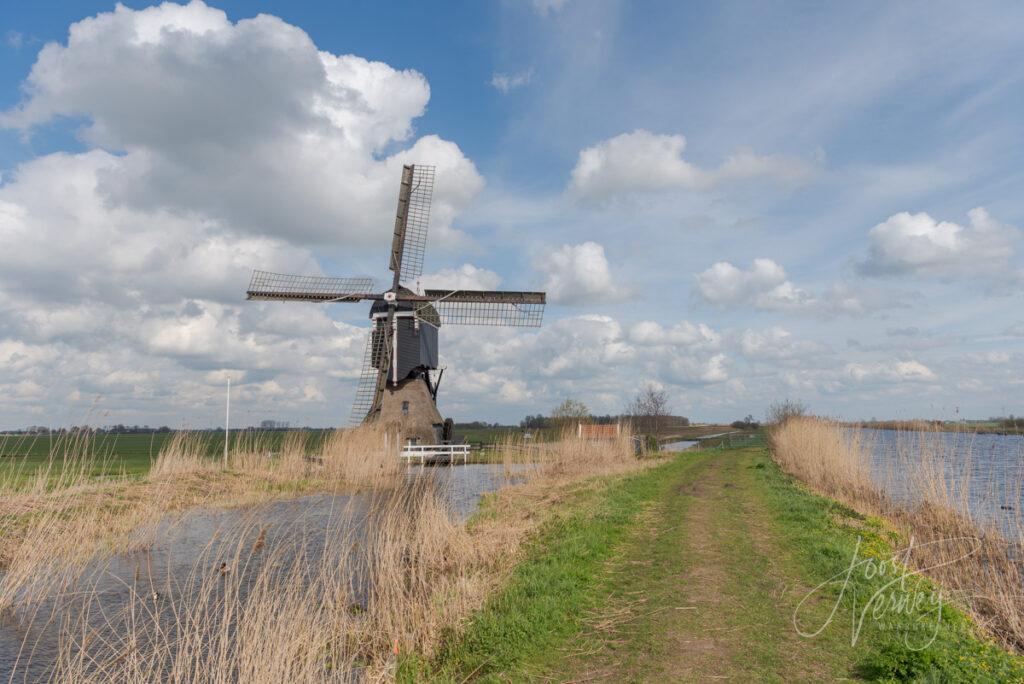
<point>595,431</point>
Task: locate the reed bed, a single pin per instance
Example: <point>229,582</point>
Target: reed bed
<point>571,456</point>
<point>394,571</point>
<point>381,581</point>
<point>61,517</point>
<point>939,503</point>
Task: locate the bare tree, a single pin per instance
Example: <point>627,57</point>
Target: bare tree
<point>649,409</point>
<point>568,412</point>
<point>781,411</point>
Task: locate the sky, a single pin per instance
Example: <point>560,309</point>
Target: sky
<point>736,203</point>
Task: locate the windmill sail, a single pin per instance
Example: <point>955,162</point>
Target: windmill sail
<point>486,307</point>
<point>401,346</point>
<point>411,222</point>
<point>366,390</point>
<point>266,285</point>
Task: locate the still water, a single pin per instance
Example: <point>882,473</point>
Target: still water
<point>983,472</point>
<point>203,541</point>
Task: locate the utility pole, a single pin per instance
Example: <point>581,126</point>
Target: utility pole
<point>227,424</point>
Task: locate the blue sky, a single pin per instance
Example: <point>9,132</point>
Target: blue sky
<point>734,201</point>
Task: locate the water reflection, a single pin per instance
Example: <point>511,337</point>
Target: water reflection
<point>982,472</point>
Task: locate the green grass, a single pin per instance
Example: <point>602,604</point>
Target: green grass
<point>518,631</point>
<point>606,547</point>
<point>111,454</point>
<point>132,454</point>
<point>824,535</point>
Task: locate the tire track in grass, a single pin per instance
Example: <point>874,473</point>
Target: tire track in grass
<point>702,593</point>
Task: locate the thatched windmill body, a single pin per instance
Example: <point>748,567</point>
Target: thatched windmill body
<point>399,381</point>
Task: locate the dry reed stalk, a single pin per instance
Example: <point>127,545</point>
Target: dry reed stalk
<point>62,517</point>
<point>571,456</point>
<point>415,568</point>
<point>283,610</point>
<point>975,558</point>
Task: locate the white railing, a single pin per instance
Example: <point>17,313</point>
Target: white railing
<point>434,453</point>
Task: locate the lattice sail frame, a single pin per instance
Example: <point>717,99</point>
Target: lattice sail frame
<point>457,307</point>
<point>417,222</point>
<point>488,307</point>
<point>267,285</point>
<point>503,314</point>
<point>366,390</point>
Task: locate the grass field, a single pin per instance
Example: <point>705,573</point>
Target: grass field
<point>110,454</point>
<point>693,571</point>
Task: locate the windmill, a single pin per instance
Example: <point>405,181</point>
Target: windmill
<point>396,387</point>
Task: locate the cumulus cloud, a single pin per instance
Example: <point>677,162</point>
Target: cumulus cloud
<point>695,371</point>
<point>777,343</point>
<point>686,353</point>
<point>247,123</point>
<point>917,244</point>
<point>465,277</point>
<point>506,83</point>
<point>213,147</point>
<point>578,274</point>
<point>645,161</point>
<point>766,286</point>
<point>685,334</point>
<point>589,356</point>
<point>895,371</point>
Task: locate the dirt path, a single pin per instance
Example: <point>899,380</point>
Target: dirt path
<point>705,591</point>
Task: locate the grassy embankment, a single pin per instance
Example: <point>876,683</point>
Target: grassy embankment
<point>695,570</point>
<point>964,515</point>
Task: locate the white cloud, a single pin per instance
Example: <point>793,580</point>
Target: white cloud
<point>918,244</point>
<point>15,40</point>
<point>246,123</point>
<point>895,371</point>
<point>215,147</point>
<point>506,83</point>
<point>689,370</point>
<point>578,274</point>
<point>766,286</point>
<point>465,277</point>
<point>777,343</point>
<point>684,334</point>
<point>644,161</point>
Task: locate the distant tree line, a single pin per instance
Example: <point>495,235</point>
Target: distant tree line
<point>106,430</point>
<point>648,412</point>
<point>144,429</point>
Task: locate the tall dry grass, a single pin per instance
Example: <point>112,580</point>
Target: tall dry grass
<point>292,610</point>
<point>394,571</point>
<point>56,520</point>
<point>929,491</point>
<point>570,456</point>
